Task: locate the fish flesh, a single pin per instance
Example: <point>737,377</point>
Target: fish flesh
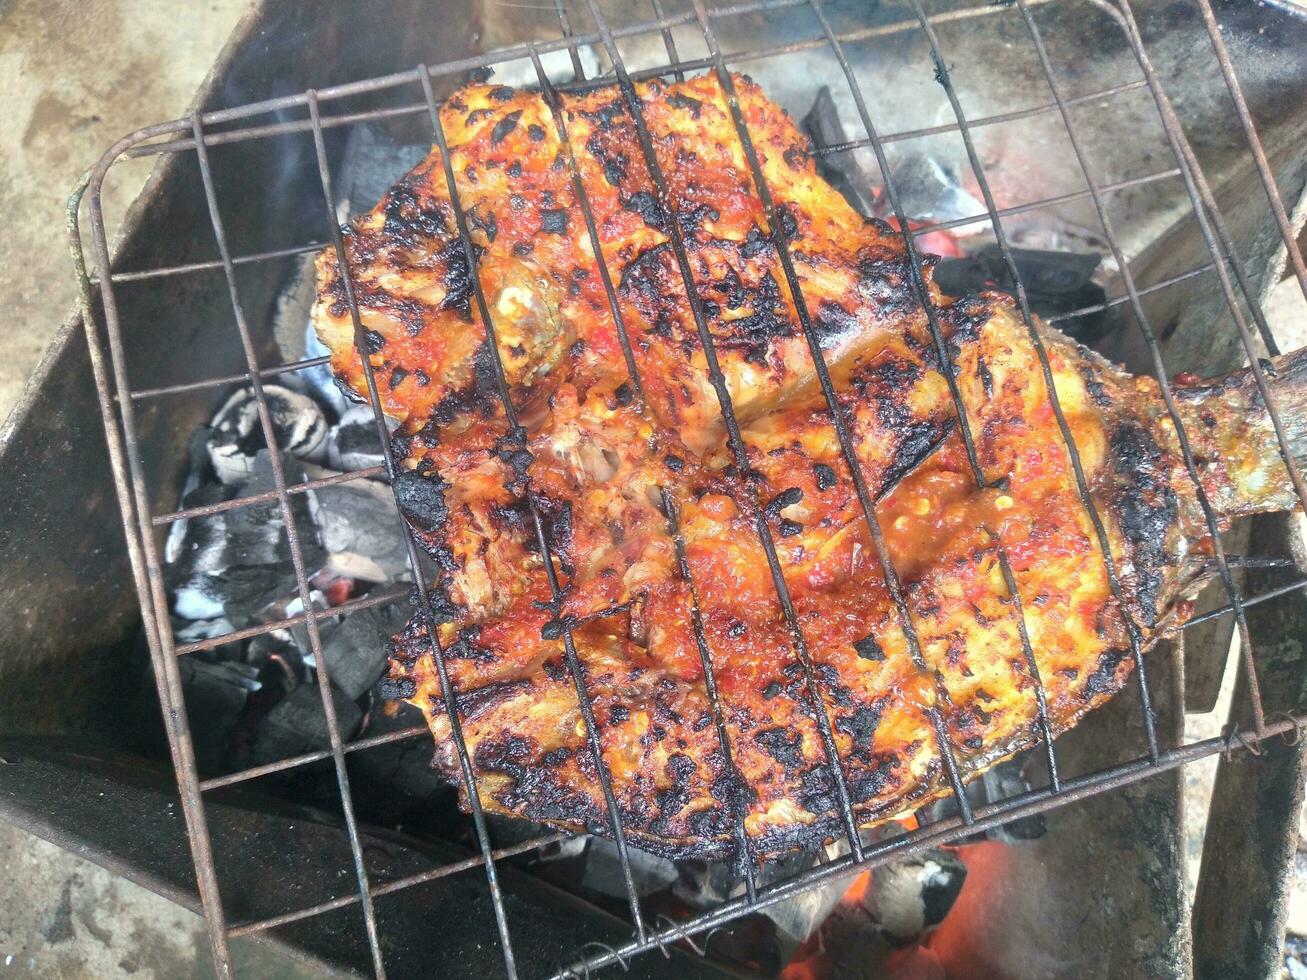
<point>651,505</point>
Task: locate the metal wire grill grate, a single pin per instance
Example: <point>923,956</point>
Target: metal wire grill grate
<point>119,400</point>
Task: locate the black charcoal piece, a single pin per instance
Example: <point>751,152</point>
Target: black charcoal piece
<point>298,725</point>
<point>929,188</point>
<point>373,162</point>
<point>604,871</point>
<point>234,564</point>
<point>913,894</point>
<point>237,432</point>
<point>355,647</point>
<point>1055,283</point>
<point>843,168</point>
<point>361,531</point>
<point>352,443</point>
<point>216,692</point>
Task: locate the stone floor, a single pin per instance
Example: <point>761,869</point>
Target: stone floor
<point>76,75</point>
<point>64,917</point>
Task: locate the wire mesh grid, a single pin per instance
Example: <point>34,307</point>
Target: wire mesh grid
<point>119,400</point>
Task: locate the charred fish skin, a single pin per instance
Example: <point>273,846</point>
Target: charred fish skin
<point>597,463</point>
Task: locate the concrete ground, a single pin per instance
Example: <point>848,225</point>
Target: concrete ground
<point>76,75</point>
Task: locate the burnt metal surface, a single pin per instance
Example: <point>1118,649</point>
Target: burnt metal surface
<point>1247,874</point>
<point>70,617</point>
<point>278,857</point>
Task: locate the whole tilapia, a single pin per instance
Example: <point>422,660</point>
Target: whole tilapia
<point>617,466</point>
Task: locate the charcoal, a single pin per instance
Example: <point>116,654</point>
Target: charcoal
<point>355,646</point>
<point>1000,782</point>
<point>216,693</point>
<point>237,435</point>
<point>352,443</point>
<point>913,894</point>
<point>361,531</point>
<point>195,553</point>
<point>603,870</point>
<point>929,189</point>
<point>1056,283</point>
<point>298,725</point>
<point>298,635</point>
<point>233,564</point>
<point>843,169</point>
<point>277,656</point>
<point>373,162</point>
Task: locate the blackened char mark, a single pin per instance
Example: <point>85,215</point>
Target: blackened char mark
<point>872,784</point>
<point>833,322</point>
<point>685,102</point>
<point>782,744</point>
<point>473,704</point>
<point>1103,680</point>
<point>481,395</point>
<point>553,221</point>
<point>485,223</point>
<point>963,320</point>
<point>536,791</point>
<point>411,219</point>
<point>671,801</point>
<point>869,649</point>
<point>643,274</point>
<point>421,500</point>
<point>786,498</point>
<point>886,383</point>
<point>691,218</point>
<point>920,441</point>
<point>613,161</point>
<point>504,127</point>
<point>444,609</point>
<point>606,116</point>
<point>884,284</point>
<point>817,790</point>
<point>752,334</point>
<point>396,688</point>
<point>1146,507</point>
<point>646,205</point>
<point>861,727</point>
<point>465,646</point>
<point>459,284</point>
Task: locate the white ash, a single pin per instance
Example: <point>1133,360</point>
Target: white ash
<point>911,896</point>
<point>352,443</point>
<point>557,65</point>
<point>361,531</point>
<point>237,432</point>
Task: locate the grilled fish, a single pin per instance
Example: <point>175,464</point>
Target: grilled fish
<point>623,457</point>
